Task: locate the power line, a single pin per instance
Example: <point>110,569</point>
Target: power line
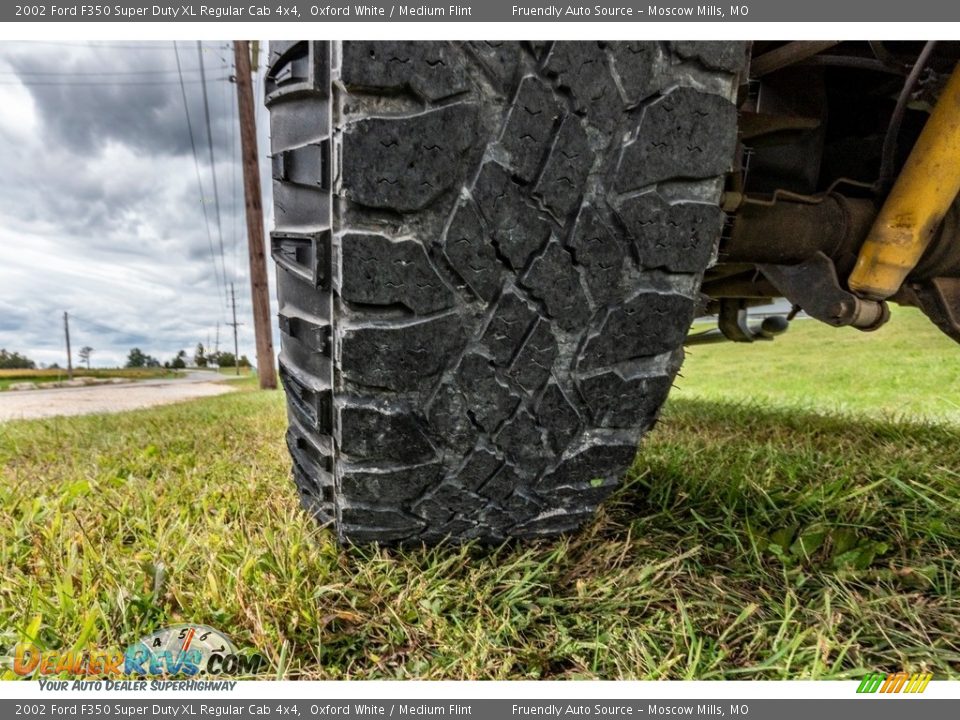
<point>66,330</point>
<point>235,325</point>
<point>213,164</point>
<point>196,165</point>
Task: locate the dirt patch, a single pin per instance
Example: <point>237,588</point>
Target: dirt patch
<point>102,398</point>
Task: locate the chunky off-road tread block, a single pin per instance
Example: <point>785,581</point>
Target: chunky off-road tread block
<point>488,256</point>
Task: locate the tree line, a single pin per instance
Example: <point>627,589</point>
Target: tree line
<point>12,360</point>
<point>15,361</point>
<point>201,358</point>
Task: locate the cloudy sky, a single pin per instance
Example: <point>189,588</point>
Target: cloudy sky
<point>100,210</point>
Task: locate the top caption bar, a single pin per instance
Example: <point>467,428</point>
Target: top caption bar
<point>487,11</point>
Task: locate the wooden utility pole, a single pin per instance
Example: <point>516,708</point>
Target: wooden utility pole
<point>66,331</point>
<point>259,288</point>
<point>236,349</point>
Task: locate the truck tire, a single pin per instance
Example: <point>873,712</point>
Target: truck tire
<point>488,256</point>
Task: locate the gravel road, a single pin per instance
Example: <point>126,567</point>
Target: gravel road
<point>25,404</point>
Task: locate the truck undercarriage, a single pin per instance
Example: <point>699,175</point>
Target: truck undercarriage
<point>844,191</point>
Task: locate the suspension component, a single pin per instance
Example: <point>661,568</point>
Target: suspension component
<point>813,285</point>
<point>921,196</point>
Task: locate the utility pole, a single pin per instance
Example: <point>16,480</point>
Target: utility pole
<point>66,331</point>
<point>236,351</point>
<point>259,288</point>
<point>216,345</point>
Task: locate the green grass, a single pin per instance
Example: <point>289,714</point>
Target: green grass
<point>748,542</point>
<point>907,368</point>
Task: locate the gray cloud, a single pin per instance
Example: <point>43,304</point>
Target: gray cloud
<point>126,95</point>
<point>100,213</point>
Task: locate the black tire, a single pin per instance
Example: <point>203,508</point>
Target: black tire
<point>488,258</point>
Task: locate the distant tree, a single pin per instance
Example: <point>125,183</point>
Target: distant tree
<point>84,354</point>
<point>244,361</point>
<point>180,361</point>
<point>137,358</point>
<point>15,361</point>
<point>226,359</point>
<point>199,357</point>
<point>53,366</point>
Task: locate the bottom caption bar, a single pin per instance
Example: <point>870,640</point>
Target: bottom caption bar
<point>874,707</point>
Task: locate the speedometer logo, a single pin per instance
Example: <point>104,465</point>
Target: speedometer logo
<point>188,650</point>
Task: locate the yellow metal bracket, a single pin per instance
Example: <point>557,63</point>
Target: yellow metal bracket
<point>924,190</point>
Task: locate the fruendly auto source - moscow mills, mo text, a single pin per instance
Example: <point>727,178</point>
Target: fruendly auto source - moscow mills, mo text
<point>627,11</point>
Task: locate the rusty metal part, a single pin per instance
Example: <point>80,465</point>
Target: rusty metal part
<point>788,232</point>
<point>757,125</point>
<point>942,257</point>
<point>854,62</point>
<point>744,285</point>
<point>813,285</point>
<point>882,61</point>
<point>769,328</point>
<point>733,320</point>
<point>923,193</point>
<point>786,55</point>
<point>733,201</point>
<point>939,299</point>
<point>791,228</point>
